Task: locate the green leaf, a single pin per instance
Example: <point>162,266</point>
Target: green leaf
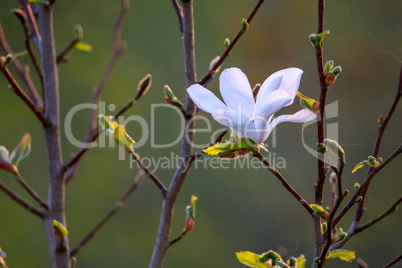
<point>335,148</point>
<point>329,65</point>
<point>307,102</point>
<point>301,261</point>
<point>38,2</point>
<point>371,162</point>
<point>22,150</point>
<point>192,204</point>
<point>171,98</point>
<point>233,149</point>
<point>318,209</point>
<point>83,46</point>
<point>59,229</point>
<point>270,255</point>
<point>345,255</point>
<point>251,259</point>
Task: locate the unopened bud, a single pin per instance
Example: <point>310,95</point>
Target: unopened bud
<point>270,255</point>
<point>292,261</point>
<point>189,225</point>
<point>356,185</point>
<point>335,148</point>
<point>171,98</point>
<point>321,148</point>
<point>337,70</point>
<point>244,24</point>
<point>328,66</point>
<point>143,86</point>
<point>256,89</point>
<point>359,199</point>
<point>213,62</point>
<point>380,119</point>
<point>329,79</point>
<point>317,260</point>
<point>226,43</point>
<point>78,32</point>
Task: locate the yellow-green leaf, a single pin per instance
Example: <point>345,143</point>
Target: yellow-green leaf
<point>301,261</point>
<point>192,204</point>
<point>59,229</point>
<point>318,209</point>
<point>121,137</point>
<point>83,46</point>
<point>345,255</point>
<point>360,165</point>
<point>22,150</point>
<point>107,124</point>
<point>214,149</point>
<point>251,259</point>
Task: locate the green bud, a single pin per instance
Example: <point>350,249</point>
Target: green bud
<point>359,199</point>
<point>337,70</point>
<point>356,185</point>
<point>281,263</point>
<point>324,227</point>
<point>244,24</point>
<point>380,160</point>
<point>335,148</point>
<point>317,260</point>
<point>321,148</point>
<point>342,236</point>
<point>292,261</point>
<point>270,255</point>
<point>226,43</point>
<point>372,160</point>
<point>78,32</point>
<point>143,86</point>
<point>328,66</point>
<point>316,39</point>
<point>171,98</point>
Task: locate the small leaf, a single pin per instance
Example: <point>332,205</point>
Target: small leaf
<point>22,150</point>
<point>233,149</point>
<point>59,229</point>
<point>328,66</point>
<point>4,154</point>
<point>251,259</point>
<point>318,209</point>
<point>171,98</point>
<point>121,137</point>
<point>192,204</point>
<point>345,255</point>
<point>371,162</point>
<point>107,124</point>
<point>38,2</point>
<point>270,255</point>
<point>83,46</point>
<point>301,261</point>
<point>335,148</point>
<point>307,102</point>
<point>360,165</point>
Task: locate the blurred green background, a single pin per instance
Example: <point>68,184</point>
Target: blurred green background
<point>238,209</point>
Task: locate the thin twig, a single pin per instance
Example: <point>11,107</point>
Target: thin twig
<point>368,224</point>
<point>119,204</point>
<point>150,174</point>
<point>21,201</point>
<point>179,13</point>
<point>22,72</point>
<point>33,28</point>
<point>224,55</point>
<point>393,262</point>
<point>20,93</point>
<point>92,132</point>
<point>31,192</point>
<point>61,55</point>
<point>177,239</point>
<point>365,183</point>
<point>381,129</point>
<point>284,182</point>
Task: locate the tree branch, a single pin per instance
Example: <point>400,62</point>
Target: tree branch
<point>179,13</point>
<point>366,183</point>
<point>381,129</point>
<point>22,72</point>
<point>20,93</point>
<point>56,196</point>
<point>21,201</point>
<point>205,80</point>
<point>31,192</point>
<point>394,261</point>
<point>284,182</point>
<point>61,56</point>
<point>119,204</point>
<point>33,28</point>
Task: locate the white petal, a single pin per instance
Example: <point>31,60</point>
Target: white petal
<point>286,79</point>
<point>205,99</point>
<point>301,116</point>
<point>236,91</point>
<point>267,107</point>
<point>240,124</point>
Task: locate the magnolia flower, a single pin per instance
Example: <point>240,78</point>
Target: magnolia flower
<point>245,116</point>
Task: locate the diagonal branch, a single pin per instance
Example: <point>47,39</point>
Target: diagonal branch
<point>179,13</point>
<point>284,182</point>
<point>381,129</point>
<point>34,32</point>
<point>21,201</point>
<point>31,192</point>
<point>119,204</point>
<point>17,90</point>
<point>205,80</point>
<point>394,261</point>
<point>365,184</point>
<point>22,72</point>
